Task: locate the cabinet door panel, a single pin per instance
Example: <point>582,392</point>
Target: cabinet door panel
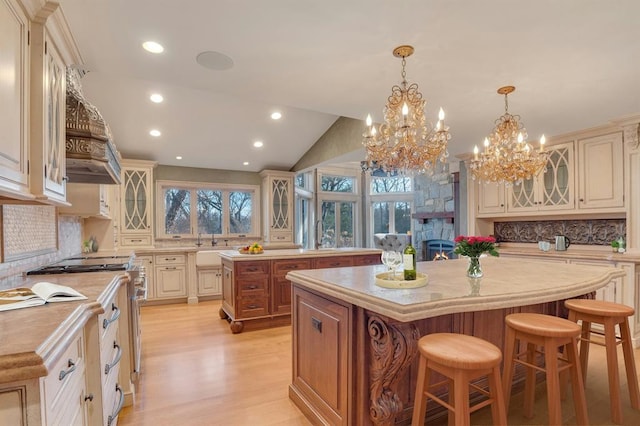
<point>601,183</point>
<point>490,197</point>
<point>170,281</point>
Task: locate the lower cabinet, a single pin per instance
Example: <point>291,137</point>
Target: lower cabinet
<point>209,282</point>
<point>170,276</point>
<point>322,339</point>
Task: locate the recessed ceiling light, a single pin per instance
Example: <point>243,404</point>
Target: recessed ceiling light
<point>214,60</point>
<point>155,133</point>
<point>246,163</point>
<point>153,47</point>
<point>258,144</point>
<point>276,115</point>
<point>178,158</point>
<point>156,98</point>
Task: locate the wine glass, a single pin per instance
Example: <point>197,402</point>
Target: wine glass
<point>395,260</point>
<point>386,260</point>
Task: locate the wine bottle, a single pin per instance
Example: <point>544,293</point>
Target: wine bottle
<point>409,260</point>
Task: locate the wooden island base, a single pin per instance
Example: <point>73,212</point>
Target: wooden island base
<point>355,345</point>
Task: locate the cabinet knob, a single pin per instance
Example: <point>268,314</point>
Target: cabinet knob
<point>89,397</point>
<point>581,200</point>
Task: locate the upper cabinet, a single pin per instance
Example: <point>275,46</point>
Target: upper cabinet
<point>601,173</point>
<point>550,190</point>
<point>136,201</point>
<point>582,176</point>
<point>14,93</point>
<point>277,190</point>
<point>36,47</point>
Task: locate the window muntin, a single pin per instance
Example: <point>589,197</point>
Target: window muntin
<point>189,209</point>
<point>390,201</point>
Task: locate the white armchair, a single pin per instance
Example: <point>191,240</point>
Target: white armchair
<point>395,242</point>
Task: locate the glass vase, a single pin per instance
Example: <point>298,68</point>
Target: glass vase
<point>474,270</point>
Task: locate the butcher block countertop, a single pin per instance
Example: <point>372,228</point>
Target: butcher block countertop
<point>506,283</point>
<point>32,339</point>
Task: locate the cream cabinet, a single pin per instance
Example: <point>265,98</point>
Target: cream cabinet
<point>277,192</point>
<point>209,281</point>
<point>50,55</point>
<point>490,198</point>
<point>550,190</point>
<point>600,172</point>
<point>170,276</point>
<point>14,104</point>
<point>88,200</point>
<point>136,204</point>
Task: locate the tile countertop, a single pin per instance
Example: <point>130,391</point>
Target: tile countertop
<point>234,255</point>
<point>32,337</point>
<point>506,283</point>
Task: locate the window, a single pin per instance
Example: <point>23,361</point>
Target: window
<point>391,202</point>
<point>338,204</point>
<point>189,209</point>
<point>305,233</point>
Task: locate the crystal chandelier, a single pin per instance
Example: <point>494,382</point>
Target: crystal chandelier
<point>405,142</point>
<point>507,157</point>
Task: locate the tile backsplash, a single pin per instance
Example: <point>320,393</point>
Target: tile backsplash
<point>40,223</point>
<point>587,232</point>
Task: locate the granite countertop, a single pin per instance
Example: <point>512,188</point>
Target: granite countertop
<point>604,254</point>
<point>506,283</point>
<point>32,338</point>
<point>234,255</point>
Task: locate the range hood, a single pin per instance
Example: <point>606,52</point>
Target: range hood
<point>91,155</point>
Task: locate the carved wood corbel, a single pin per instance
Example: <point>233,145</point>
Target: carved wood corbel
<point>632,135</point>
<point>393,347</point>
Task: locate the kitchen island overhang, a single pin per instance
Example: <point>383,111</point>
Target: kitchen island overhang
<point>374,331</point>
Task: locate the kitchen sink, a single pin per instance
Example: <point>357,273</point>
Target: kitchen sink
<point>208,258</point>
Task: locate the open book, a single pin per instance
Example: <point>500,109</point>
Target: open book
<point>39,294</point>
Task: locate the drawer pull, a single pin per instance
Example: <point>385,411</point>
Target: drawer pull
<point>116,360</point>
<point>335,264</point>
<point>89,397</point>
<point>136,241</point>
<point>317,324</point>
<point>169,258</point>
<point>252,269</point>
<point>114,317</point>
<point>252,287</point>
<point>169,268</point>
<point>253,306</point>
<point>71,369</point>
<point>114,416</point>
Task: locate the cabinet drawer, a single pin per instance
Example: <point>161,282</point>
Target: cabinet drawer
<point>142,240</point>
<point>370,259</point>
<point>333,262</point>
<point>281,237</point>
<point>252,268</point>
<point>65,380</point>
<point>281,267</point>
<point>253,306</point>
<point>253,286</point>
<point>171,259</point>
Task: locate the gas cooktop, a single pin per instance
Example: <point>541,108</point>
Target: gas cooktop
<point>85,264</point>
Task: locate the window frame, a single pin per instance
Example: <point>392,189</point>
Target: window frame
<point>193,187</point>
<point>355,197</point>
<point>387,197</point>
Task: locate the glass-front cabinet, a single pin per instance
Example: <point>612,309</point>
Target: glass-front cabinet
<point>136,226</point>
<point>277,190</point>
<point>550,190</point>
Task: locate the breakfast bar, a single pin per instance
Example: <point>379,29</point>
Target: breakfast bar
<point>354,342</point>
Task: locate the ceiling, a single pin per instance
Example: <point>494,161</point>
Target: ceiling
<point>575,64</point>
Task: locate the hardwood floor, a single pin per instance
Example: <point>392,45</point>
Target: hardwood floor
<point>196,373</point>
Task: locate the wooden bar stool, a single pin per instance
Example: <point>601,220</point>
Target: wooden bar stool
<point>550,333</point>
<point>461,359</point>
<point>609,315</point>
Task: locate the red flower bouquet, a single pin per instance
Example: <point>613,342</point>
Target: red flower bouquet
<point>475,246</point>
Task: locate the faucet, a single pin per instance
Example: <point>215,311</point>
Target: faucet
<point>213,240</point>
<point>199,241</point>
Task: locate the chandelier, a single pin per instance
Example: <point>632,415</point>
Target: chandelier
<point>507,157</point>
<point>405,142</point>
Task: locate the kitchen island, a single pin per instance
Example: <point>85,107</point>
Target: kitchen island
<point>67,362</point>
<point>354,343</point>
<point>255,290</point>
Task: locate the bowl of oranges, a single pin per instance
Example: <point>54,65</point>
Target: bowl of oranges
<point>254,248</point>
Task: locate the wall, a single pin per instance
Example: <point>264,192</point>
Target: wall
<point>194,174</point>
